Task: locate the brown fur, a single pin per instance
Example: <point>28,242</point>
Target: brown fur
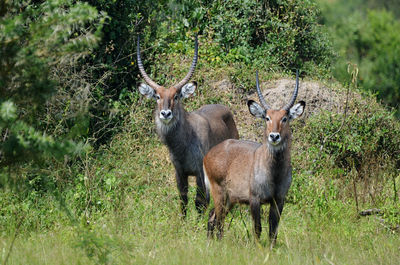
<point>251,173</point>
<point>189,136</point>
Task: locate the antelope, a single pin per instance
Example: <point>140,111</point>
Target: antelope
<point>188,135</point>
<point>246,172</point>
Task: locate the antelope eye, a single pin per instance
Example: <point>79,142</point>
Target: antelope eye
<point>157,97</point>
<point>267,118</point>
<point>284,119</point>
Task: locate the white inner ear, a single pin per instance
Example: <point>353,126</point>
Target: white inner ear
<point>257,110</point>
<point>296,111</point>
<point>146,90</point>
<point>188,90</point>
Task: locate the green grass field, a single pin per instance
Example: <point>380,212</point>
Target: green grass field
<point>149,230</point>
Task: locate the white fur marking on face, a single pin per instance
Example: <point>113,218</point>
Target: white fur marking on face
<point>164,120</point>
<point>277,142</point>
<point>188,90</point>
<point>296,111</point>
<point>146,90</point>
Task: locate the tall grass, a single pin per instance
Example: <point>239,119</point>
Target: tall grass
<point>150,231</point>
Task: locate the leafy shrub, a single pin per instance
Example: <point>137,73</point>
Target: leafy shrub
<point>359,150</point>
<point>33,39</point>
<point>372,134</point>
<point>370,38</point>
<point>41,46</point>
<point>265,34</point>
<point>379,49</point>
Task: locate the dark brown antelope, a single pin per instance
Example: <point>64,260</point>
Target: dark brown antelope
<point>188,136</point>
<point>252,173</point>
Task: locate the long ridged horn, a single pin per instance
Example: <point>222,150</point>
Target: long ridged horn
<point>296,89</point>
<point>191,70</point>
<point>260,96</point>
<point>146,78</point>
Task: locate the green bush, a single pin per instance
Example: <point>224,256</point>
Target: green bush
<point>358,150</point>
<point>263,34</point>
<point>41,46</point>
<point>370,38</point>
<point>35,39</point>
<point>379,48</point>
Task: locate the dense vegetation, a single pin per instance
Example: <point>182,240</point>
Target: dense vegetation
<point>84,179</point>
<point>367,33</point>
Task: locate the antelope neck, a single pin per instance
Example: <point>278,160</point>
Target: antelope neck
<point>276,160</point>
<point>177,131</point>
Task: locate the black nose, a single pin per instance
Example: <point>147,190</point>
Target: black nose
<point>274,136</point>
<point>166,113</point>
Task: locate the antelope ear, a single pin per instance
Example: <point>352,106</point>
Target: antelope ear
<point>297,110</point>
<point>188,89</point>
<point>146,90</point>
<point>255,109</point>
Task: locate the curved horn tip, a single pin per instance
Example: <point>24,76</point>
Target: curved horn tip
<point>295,92</point>
<point>192,67</point>
<point>260,96</point>
<point>145,76</point>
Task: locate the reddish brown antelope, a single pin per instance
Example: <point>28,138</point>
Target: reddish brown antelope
<point>188,136</point>
<point>252,173</point>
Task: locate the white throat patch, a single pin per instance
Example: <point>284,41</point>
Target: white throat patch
<point>276,148</point>
<point>164,127</point>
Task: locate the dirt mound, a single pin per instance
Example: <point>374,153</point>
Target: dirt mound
<point>277,93</point>
<point>316,95</point>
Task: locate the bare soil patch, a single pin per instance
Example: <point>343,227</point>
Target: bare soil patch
<point>277,93</point>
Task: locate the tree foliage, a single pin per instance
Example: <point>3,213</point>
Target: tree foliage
<point>267,34</point>
<point>35,39</point>
<point>367,34</point>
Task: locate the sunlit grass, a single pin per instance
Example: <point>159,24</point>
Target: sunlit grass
<point>151,231</point>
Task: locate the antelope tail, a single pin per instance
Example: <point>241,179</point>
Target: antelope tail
<point>207,184</point>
